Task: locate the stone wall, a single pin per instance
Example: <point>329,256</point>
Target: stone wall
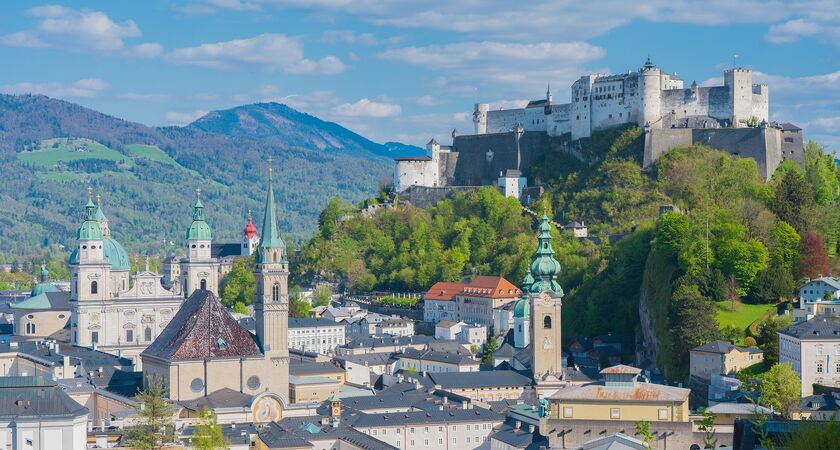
<point>481,158</point>
<point>764,145</point>
<point>424,196</point>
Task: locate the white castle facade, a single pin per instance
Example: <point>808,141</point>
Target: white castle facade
<point>649,97</point>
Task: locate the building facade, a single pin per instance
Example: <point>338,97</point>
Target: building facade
<point>812,348</point>
<point>316,335</point>
<point>722,358</point>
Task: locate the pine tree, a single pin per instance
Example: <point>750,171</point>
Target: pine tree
<point>155,423</point>
<point>207,434</point>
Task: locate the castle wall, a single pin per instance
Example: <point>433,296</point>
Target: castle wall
<point>502,121</point>
<point>559,121</point>
<point>481,158</point>
<point>793,147</point>
<point>415,172</point>
<point>446,167</point>
<point>424,196</point>
<point>764,145</point>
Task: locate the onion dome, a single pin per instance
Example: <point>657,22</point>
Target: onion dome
<point>90,230</point>
<point>522,308</point>
<point>250,230</point>
<point>545,268</point>
<point>199,230</point>
<point>45,285</point>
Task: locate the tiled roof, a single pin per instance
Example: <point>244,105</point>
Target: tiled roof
<point>446,324</point>
<point>490,287</point>
<point>202,328</point>
<point>443,291</point>
<point>519,437</point>
<point>818,327</point>
<point>621,369</point>
<point>447,415</point>
<point>641,392</point>
<point>491,378</point>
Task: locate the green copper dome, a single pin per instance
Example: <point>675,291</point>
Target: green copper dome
<point>545,268</point>
<point>199,230</point>
<point>114,253</point>
<point>522,308</point>
<point>90,229</point>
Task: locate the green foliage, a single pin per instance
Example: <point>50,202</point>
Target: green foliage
<point>487,353</point>
<point>768,340</point>
<point>239,308</point>
<point>155,427</point>
<point>793,200</point>
<point>784,247</point>
<point>207,434</point>
<point>693,322</point>
<point>772,285</point>
<point>780,388</point>
<point>321,296</point>
<point>750,341</point>
<point>707,427</point>
<point>822,174</point>
<point>813,436</point>
<point>400,302</point>
<point>239,285</point>
<point>644,431</point>
<point>298,306</point>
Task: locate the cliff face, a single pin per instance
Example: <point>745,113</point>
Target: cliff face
<point>654,302</point>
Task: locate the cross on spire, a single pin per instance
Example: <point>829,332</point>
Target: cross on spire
<point>198,193</point>
<point>90,192</point>
<point>270,170</point>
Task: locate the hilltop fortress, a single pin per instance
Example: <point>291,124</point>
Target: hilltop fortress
<point>733,117</point>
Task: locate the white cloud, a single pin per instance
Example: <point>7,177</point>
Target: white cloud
<point>184,118</point>
<point>268,51</point>
<point>87,87</point>
<point>367,108</point>
<point>77,29</point>
<point>147,50</point>
<point>139,97</point>
<point>427,100</point>
<point>348,37</point>
<point>467,53</point>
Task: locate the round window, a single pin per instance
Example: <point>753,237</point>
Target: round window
<point>61,316</point>
<point>30,316</point>
<point>197,385</point>
<point>253,382</point>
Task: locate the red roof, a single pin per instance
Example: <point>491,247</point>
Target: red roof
<point>443,291</point>
<point>250,230</point>
<point>491,287</point>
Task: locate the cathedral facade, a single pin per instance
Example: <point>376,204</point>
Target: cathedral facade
<point>119,313</point>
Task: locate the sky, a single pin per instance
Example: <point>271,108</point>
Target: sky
<point>408,70</point>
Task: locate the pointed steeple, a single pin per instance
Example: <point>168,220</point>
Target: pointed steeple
<point>270,237</point>
<point>199,229</point>
<point>545,268</point>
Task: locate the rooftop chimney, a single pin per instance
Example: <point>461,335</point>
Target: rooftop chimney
<point>517,424</point>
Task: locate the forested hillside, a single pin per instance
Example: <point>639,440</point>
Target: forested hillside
<point>51,149</point>
<point>734,240</point>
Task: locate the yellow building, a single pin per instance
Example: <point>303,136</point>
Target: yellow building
<point>722,358</point>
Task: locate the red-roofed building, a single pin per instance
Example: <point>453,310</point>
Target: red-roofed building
<point>478,299</point>
<point>439,302</point>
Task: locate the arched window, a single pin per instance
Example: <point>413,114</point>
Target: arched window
<point>547,322</point>
<point>203,284</point>
<point>94,287</point>
<point>275,292</point>
<point>147,334</point>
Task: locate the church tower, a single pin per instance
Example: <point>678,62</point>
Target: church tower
<point>250,240</point>
<point>546,297</point>
<point>198,268</point>
<point>522,315</point>
<point>90,274</point>
<point>271,305</point>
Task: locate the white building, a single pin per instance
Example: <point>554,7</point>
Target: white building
<point>36,414</point>
<point>316,335</point>
<point>439,302</point>
<point>815,290</point>
<point>647,97</point>
<point>432,361</point>
<point>461,332</point>
<point>420,170</point>
<point>812,348</point>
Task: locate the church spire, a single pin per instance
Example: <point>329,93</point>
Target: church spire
<point>545,268</point>
<point>270,237</point>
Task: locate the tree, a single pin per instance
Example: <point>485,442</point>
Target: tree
<point>240,308</point>
<point>814,260</point>
<point>322,295</point>
<point>643,430</point>
<point>328,219</point>
<point>239,284</point>
<point>813,436</point>
<point>771,285</point>
<point>784,246</point>
<point>155,423</point>
<point>487,354</point>
<point>768,340</point>
<point>742,259</point>
<point>749,341</point>
<point>672,233</point>
<point>822,174</point>
<point>207,434</point>
<point>794,200</point>
<point>707,426</point>
<point>693,322</point>
<point>780,388</point>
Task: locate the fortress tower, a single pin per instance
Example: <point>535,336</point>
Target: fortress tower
<point>650,95</point>
<point>480,117</point>
<point>739,82</point>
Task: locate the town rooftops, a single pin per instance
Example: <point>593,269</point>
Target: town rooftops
<point>490,287</point>
<point>223,398</point>
<point>818,328</point>
<point>521,437</point>
<point>202,328</point>
<point>311,322</point>
<point>368,359</point>
<point>58,301</point>
<point>621,369</point>
<point>490,378</point>
<point>313,368</point>
<point>37,398</point>
<point>413,158</point>
<point>447,415</point>
<point>437,356</point>
<point>643,392</point>
<point>447,324</point>
<point>722,348</point>
<point>389,341</point>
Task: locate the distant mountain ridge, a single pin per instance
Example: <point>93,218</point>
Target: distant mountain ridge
<point>223,152</point>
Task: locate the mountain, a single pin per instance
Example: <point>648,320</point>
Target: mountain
<point>51,149</point>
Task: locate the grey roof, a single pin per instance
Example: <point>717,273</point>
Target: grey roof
<point>787,126</point>
<point>722,347</point>
<point>505,351</point>
<point>818,327</point>
<point>87,357</point>
<point>431,415</point>
<point>492,378</point>
<point>825,402</point>
<point>223,398</point>
<point>36,397</point>
<point>738,408</point>
<point>386,400</point>
<point>437,356</point>
<point>413,158</point>
<point>831,281</point>
<point>221,250</point>
<point>309,322</point>
<point>313,368</point>
<point>388,341</point>
<point>239,434</point>
<point>518,437</point>
<point>274,436</point>
<point>372,359</point>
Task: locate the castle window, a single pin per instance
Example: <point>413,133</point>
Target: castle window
<point>275,292</point>
<point>547,322</point>
<point>94,287</point>
<point>203,284</point>
<point>147,334</point>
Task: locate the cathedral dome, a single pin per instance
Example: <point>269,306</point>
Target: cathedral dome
<point>42,288</point>
<point>199,230</point>
<point>545,267</point>
<point>114,253</point>
<point>89,231</point>
<point>522,308</point>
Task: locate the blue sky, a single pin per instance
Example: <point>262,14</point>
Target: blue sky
<point>407,70</point>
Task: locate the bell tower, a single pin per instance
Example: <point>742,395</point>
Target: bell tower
<point>271,305</point>
<point>546,297</point>
<point>198,268</point>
